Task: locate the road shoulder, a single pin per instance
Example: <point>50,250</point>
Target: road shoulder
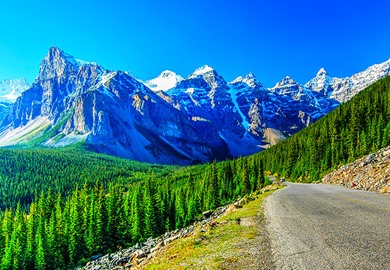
<point>238,240</point>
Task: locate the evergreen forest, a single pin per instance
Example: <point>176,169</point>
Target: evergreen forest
<point>62,206</point>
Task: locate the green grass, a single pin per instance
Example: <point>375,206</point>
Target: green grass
<point>220,247</point>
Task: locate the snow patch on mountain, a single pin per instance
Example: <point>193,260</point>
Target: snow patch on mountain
<point>201,71</point>
<point>164,82</point>
<point>233,94</point>
<point>343,89</point>
<point>10,90</point>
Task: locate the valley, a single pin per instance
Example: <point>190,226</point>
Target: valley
<point>180,121</point>
<point>67,193</point>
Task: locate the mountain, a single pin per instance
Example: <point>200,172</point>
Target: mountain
<point>111,112</point>
<point>165,81</point>
<point>354,129</point>
<point>10,90</point>
<point>169,119</point>
<point>343,89</point>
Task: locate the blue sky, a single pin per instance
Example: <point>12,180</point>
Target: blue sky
<point>272,39</point>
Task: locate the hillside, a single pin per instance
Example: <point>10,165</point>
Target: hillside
<point>79,203</point>
<point>25,174</point>
<point>228,239</point>
<point>354,129</point>
<point>371,172</point>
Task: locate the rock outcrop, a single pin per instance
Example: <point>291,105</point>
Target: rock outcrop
<point>198,119</point>
<point>371,172</point>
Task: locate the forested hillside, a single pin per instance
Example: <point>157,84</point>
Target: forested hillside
<point>25,174</point>
<point>84,203</point>
<point>354,129</point>
<point>96,204</point>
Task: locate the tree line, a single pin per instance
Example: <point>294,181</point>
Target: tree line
<point>356,128</point>
<point>62,231</point>
<point>92,203</point>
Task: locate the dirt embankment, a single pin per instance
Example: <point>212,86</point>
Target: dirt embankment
<point>371,172</point>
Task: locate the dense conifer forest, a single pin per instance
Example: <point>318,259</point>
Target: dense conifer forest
<point>356,128</point>
<point>61,206</point>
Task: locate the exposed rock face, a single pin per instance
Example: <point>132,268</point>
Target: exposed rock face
<point>197,119</point>
<point>118,114</point>
<point>371,172</point>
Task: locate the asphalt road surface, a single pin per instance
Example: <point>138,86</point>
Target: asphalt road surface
<point>317,226</point>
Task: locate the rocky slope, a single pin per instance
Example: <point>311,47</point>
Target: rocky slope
<point>200,118</point>
<point>371,172</point>
<point>109,111</point>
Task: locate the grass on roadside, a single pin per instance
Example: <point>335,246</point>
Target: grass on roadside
<point>232,242</point>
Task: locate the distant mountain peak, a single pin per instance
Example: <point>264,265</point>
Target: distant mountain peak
<point>322,72</point>
<point>286,81</point>
<point>10,90</point>
<point>201,71</point>
<point>57,63</point>
<point>250,75</point>
<point>165,81</point>
<point>167,73</point>
<point>56,53</point>
<point>250,79</point>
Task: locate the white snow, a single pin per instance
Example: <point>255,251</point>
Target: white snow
<point>164,82</point>
<point>233,94</point>
<point>24,133</point>
<point>10,90</point>
<point>107,77</point>
<point>343,89</point>
<point>237,80</point>
<point>201,71</point>
<point>82,62</point>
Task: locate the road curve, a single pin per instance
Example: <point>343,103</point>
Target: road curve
<point>318,226</point>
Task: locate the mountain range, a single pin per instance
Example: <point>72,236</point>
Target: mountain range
<point>169,119</point>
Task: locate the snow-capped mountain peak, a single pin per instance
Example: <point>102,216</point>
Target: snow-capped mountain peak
<point>201,71</point>
<point>10,90</point>
<point>237,80</point>
<point>250,79</point>
<point>167,74</point>
<point>165,81</point>
<point>321,72</point>
<point>286,82</point>
<point>343,89</point>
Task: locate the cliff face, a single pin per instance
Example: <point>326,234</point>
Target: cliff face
<point>112,112</point>
<point>371,172</point>
<point>197,119</point>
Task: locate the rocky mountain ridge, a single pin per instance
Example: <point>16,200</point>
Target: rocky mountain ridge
<point>197,119</point>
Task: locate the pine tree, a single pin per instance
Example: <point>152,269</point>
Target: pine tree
<point>246,185</point>
<point>40,243</point>
<point>6,231</point>
<point>261,177</point>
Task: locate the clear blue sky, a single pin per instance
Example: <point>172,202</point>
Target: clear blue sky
<point>272,39</point>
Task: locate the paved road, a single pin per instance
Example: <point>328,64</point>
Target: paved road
<point>328,227</point>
